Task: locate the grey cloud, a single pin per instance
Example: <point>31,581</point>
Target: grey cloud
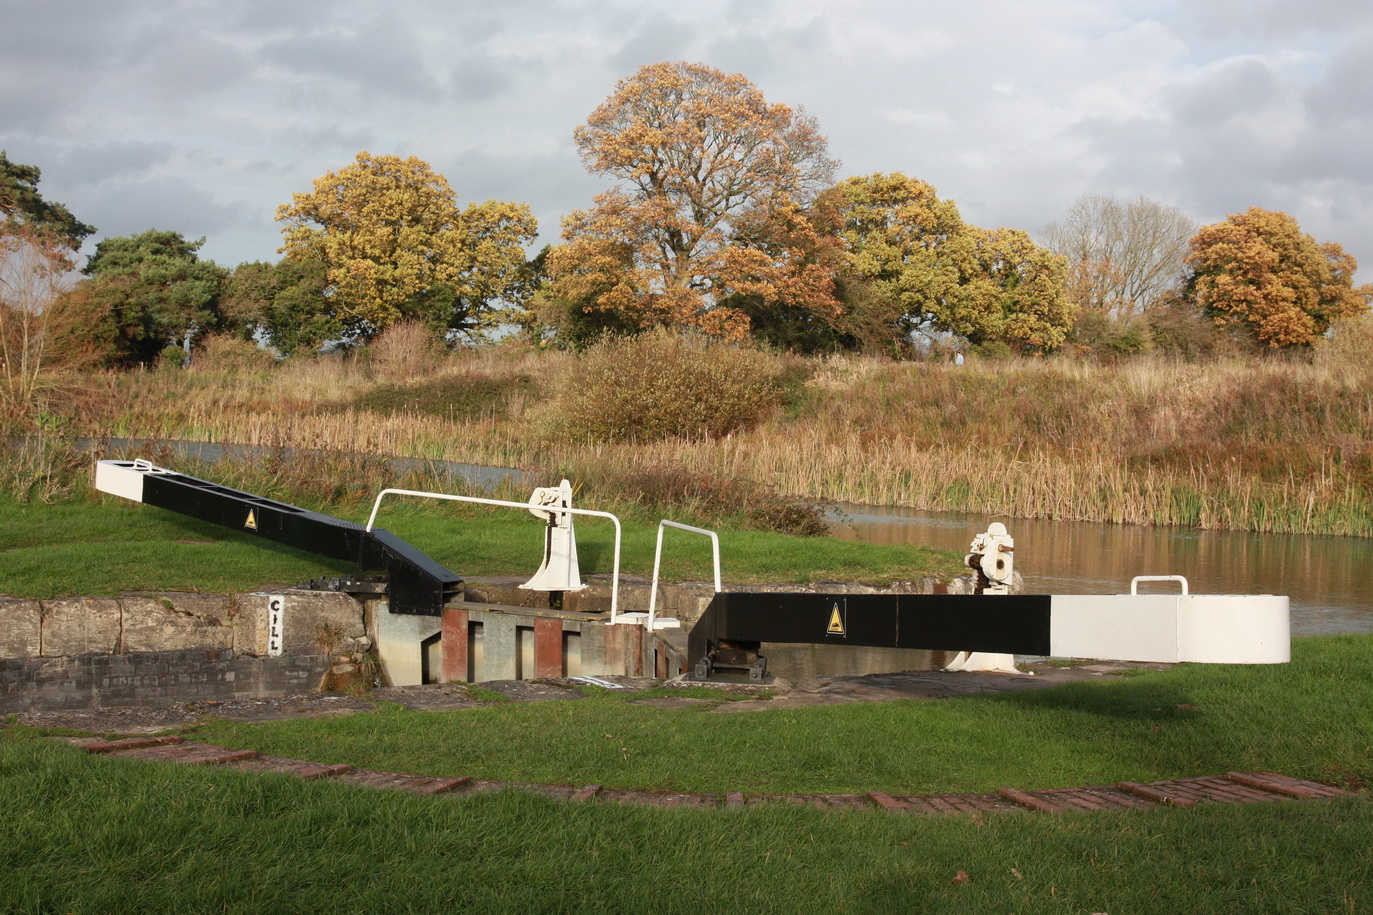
<point>655,39</point>
<point>376,57</point>
<point>1346,92</point>
<point>190,64</point>
<point>98,163</point>
<point>1216,96</point>
<point>1278,18</point>
<point>478,79</point>
<point>172,203</point>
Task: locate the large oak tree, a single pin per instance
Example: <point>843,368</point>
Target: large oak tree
<point>1260,274</point>
<point>395,245</point>
<point>707,216</point>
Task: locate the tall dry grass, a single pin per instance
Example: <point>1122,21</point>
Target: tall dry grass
<point>1240,443</point>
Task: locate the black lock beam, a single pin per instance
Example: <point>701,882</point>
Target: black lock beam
<point>416,583</point>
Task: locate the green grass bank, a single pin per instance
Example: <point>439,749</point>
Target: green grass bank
<point>95,835</point>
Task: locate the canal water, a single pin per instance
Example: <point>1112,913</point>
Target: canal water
<point>1328,579</point>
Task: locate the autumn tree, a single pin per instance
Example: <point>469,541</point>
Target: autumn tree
<point>706,168</point>
<point>1123,255</point>
<point>913,265</point>
<point>1258,273</point>
<point>395,245</point>
<point>1015,293</point>
<point>38,242</point>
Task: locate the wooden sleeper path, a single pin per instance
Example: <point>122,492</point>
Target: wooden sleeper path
<point>1231,788</point>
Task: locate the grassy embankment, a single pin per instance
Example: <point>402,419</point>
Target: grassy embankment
<point>1242,443</point>
<point>94,835</point>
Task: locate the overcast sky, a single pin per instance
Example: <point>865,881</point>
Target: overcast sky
<point>202,116</point>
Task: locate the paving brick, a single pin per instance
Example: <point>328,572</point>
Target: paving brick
<point>1223,788</point>
<point>1279,785</point>
<point>128,743</point>
<point>922,805</point>
<point>887,802</point>
<point>1028,801</point>
<point>1155,794</point>
<point>941,804</point>
<point>416,784</point>
<point>298,767</point>
<point>1231,788</point>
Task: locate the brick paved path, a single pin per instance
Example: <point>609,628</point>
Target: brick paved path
<point>1231,788</point>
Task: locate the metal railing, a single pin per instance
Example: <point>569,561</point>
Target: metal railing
<point>615,577</point>
<point>658,556</point>
<point>1134,582</point>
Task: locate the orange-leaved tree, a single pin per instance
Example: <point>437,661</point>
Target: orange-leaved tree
<point>712,181</point>
<point>1259,273</point>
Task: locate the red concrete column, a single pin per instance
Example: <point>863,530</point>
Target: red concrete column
<point>453,643</point>
<point>548,648</point>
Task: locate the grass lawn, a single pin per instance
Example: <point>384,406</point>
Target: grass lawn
<point>98,835</point>
<point>103,546</point>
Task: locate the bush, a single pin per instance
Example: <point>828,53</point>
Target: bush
<point>1348,345</point>
<point>231,355</point>
<point>448,396</point>
<point>404,350</point>
<point>171,357</point>
<point>669,490</point>
<point>669,384</point>
<point>1180,329</point>
<point>1101,335</point>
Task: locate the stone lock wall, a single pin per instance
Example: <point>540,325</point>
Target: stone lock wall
<point>153,649</point>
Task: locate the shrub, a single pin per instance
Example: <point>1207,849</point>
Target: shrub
<point>1179,329</point>
<point>231,355</point>
<point>669,384</point>
<point>670,490</point>
<point>1349,344</point>
<point>171,357</point>
<point>1102,335</point>
<point>404,350</point>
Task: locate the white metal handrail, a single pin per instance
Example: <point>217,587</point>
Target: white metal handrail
<point>615,577</point>
<point>1134,582</point>
<point>658,555</point>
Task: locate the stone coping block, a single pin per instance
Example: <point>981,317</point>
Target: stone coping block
<point>21,627</point>
<point>80,625</point>
<point>165,624</point>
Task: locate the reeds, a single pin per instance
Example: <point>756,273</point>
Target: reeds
<point>1244,444</point>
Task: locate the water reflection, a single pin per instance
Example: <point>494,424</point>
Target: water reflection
<point>1325,577</point>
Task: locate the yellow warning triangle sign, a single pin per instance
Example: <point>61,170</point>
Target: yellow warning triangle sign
<point>251,523</point>
<point>836,622</point>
